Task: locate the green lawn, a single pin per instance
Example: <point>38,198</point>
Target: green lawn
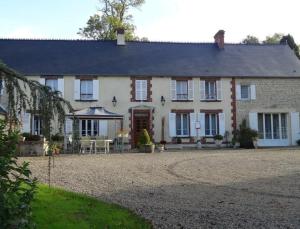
<point>55,208</point>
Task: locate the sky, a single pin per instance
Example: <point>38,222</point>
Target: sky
<point>158,20</point>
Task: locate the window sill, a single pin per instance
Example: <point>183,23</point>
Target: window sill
<point>86,100</point>
<point>139,101</point>
<point>184,101</point>
<point>210,100</point>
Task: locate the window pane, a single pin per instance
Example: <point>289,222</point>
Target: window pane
<point>83,128</point>
<point>89,127</point>
<point>210,90</point>
<point>86,89</point>
<point>213,124</point>
<point>283,126</point>
<point>207,124</point>
<point>95,128</point>
<point>260,126</point>
<point>245,91</point>
<point>178,124</point>
<point>185,122</point>
<point>52,83</point>
<point>37,125</point>
<point>276,129</point>
<point>182,90</point>
<point>268,126</point>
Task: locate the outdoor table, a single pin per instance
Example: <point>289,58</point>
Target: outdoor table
<point>106,143</point>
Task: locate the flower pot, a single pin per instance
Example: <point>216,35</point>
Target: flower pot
<point>236,145</point>
<point>147,148</point>
<point>161,148</point>
<point>255,144</point>
<point>199,145</point>
<point>218,143</point>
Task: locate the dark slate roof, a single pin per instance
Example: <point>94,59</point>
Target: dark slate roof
<point>86,57</point>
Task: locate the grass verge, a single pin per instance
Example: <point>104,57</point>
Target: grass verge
<point>56,208</point>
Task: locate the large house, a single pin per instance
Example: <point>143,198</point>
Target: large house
<point>175,90</point>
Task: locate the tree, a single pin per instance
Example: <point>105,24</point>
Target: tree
<point>24,94</point>
<point>250,40</point>
<point>288,39</point>
<point>274,39</point>
<point>114,14</point>
<point>17,187</point>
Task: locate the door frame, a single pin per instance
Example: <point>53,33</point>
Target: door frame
<point>133,129</point>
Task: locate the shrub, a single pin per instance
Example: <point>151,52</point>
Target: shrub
<point>246,136</point>
<point>16,185</point>
<point>298,142</point>
<point>218,137</point>
<point>26,135</point>
<point>144,138</point>
<point>178,140</point>
<point>57,137</point>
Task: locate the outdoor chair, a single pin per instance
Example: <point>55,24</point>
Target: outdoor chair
<point>86,146</point>
<point>100,145</point>
<point>85,138</point>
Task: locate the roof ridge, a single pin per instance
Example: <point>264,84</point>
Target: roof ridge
<point>147,42</point>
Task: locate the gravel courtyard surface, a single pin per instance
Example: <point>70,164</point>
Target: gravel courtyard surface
<point>197,189</point>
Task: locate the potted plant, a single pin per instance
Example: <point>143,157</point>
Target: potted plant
<point>247,137</point>
<point>58,140</point>
<point>162,144</point>
<point>55,149</point>
<point>218,140</point>
<point>199,144</point>
<point>178,140</point>
<point>235,143</point>
<point>145,145</point>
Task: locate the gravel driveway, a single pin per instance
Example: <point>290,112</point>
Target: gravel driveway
<point>198,189</point>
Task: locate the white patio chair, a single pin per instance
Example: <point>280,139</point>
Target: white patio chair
<point>86,145</point>
<point>100,145</point>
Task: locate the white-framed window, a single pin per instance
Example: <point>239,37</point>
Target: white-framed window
<point>36,125</point>
<point>272,125</point>
<point>93,127</point>
<point>211,124</point>
<point>52,83</point>
<point>182,124</point>
<point>141,90</point>
<point>210,90</point>
<point>86,89</point>
<point>182,90</point>
<point>245,92</point>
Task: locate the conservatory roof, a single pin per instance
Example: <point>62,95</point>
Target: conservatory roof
<point>96,112</point>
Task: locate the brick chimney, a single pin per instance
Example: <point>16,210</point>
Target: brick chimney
<point>219,39</point>
<point>121,37</point>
